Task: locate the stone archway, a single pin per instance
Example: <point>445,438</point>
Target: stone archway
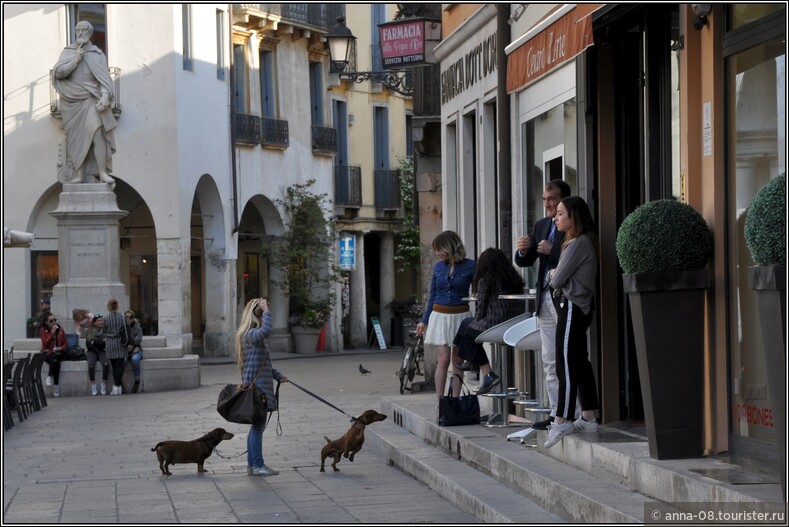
<point>212,273</point>
<point>260,218</point>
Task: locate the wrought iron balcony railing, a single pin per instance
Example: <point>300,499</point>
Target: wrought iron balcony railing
<point>321,16</point>
<point>347,186</point>
<point>324,140</point>
<point>387,189</point>
<point>246,128</point>
<point>115,104</point>
<point>275,133</point>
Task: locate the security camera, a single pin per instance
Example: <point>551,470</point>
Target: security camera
<point>12,238</point>
<point>701,10</point>
<point>699,22</point>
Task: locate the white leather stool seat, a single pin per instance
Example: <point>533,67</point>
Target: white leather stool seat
<point>525,335</point>
<point>496,333</point>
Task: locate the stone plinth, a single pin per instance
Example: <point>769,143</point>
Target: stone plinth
<point>88,251</point>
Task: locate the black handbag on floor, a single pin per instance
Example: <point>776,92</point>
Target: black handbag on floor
<point>456,411</point>
<point>241,405</point>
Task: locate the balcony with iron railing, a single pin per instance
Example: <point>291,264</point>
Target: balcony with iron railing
<point>387,189</point>
<point>324,140</point>
<point>115,103</point>
<point>246,129</point>
<point>309,16</point>
<point>275,133</point>
<point>347,186</point>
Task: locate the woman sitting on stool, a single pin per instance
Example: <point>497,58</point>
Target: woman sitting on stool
<point>495,275</point>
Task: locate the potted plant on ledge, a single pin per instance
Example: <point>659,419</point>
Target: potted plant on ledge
<point>663,247</point>
<point>304,255</point>
<point>765,236</point>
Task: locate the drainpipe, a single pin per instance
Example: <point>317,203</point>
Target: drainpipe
<point>232,85</point>
<point>503,119</point>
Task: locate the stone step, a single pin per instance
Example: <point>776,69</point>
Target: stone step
<point>560,489</point>
<point>455,481</point>
<point>157,374</point>
<point>605,456</point>
<point>606,476</point>
<point>148,342</point>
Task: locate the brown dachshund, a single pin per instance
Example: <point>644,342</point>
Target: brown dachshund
<point>197,451</point>
<point>349,444</point>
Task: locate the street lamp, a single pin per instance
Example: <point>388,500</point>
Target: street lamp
<point>340,40</point>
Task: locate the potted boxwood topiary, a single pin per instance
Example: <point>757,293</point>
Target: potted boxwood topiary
<point>663,247</point>
<point>765,236</point>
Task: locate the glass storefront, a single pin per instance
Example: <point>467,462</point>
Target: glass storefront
<point>756,128</point>
<point>550,151</point>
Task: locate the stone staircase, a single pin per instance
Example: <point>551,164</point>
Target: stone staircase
<point>163,368</point>
<point>603,477</point>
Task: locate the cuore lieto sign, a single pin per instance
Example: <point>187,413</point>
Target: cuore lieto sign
<point>551,47</point>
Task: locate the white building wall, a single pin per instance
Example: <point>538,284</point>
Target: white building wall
<point>472,152</point>
<point>173,129</point>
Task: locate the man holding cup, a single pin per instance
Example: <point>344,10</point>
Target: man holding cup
<point>545,245</point>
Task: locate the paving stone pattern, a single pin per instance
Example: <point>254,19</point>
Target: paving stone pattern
<point>89,459</point>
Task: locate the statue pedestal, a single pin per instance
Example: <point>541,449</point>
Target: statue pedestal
<point>88,251</point>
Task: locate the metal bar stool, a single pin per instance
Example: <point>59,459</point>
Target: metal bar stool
<point>495,337</point>
<point>526,336</point>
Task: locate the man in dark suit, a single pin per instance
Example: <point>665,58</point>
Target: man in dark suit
<point>545,245</point>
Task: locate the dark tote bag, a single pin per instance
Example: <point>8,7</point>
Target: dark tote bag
<point>246,406</point>
<point>456,411</point>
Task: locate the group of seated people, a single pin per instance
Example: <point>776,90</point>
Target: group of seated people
<point>110,340</point>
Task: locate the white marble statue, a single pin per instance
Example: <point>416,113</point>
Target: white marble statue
<point>81,78</point>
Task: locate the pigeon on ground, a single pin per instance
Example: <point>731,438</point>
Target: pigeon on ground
<point>362,370</point>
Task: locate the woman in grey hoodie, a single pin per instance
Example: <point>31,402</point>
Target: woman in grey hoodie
<point>573,282</point>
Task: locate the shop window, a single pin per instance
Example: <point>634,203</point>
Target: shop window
<point>144,291</point>
<point>255,279</point>
<point>549,151</point>
<point>45,273</point>
<point>756,134</point>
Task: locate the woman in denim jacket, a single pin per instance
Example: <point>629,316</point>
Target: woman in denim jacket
<point>446,308</point>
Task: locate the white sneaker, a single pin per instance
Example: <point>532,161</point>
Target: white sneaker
<point>93,390</point>
<point>57,391</point>
<point>104,388</point>
<point>582,425</point>
<point>557,431</point>
<point>115,391</point>
<point>49,381</point>
<point>262,471</point>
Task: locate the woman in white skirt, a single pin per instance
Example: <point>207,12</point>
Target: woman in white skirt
<point>446,308</point>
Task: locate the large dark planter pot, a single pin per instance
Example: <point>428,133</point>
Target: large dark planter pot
<point>668,326</point>
<point>769,284</point>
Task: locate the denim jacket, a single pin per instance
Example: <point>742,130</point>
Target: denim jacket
<point>446,290</point>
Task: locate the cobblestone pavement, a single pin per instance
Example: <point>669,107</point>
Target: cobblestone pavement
<point>89,459</point>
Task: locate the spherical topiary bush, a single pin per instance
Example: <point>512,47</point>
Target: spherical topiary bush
<point>765,224</point>
<point>663,236</point>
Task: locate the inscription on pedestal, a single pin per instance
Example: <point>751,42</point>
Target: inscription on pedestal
<point>88,254</point>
